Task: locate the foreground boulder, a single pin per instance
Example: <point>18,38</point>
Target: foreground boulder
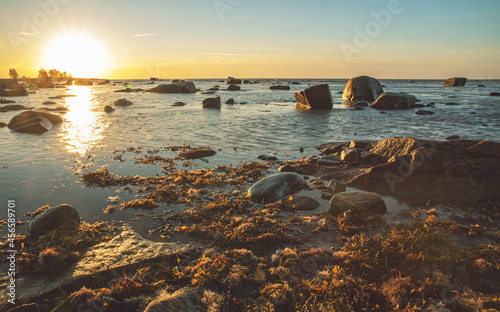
<point>455,82</point>
<point>315,97</point>
<point>357,202</point>
<point>455,172</point>
<point>124,252</point>
<point>211,103</point>
<point>362,88</point>
<point>274,187</point>
<point>231,80</point>
<point>390,100</point>
<point>179,87</point>
<point>122,102</point>
<point>53,218</point>
<point>35,122</point>
<point>185,299</point>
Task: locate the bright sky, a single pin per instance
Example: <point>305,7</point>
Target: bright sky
<point>252,38</point>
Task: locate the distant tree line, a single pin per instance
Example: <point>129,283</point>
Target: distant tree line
<point>52,74</point>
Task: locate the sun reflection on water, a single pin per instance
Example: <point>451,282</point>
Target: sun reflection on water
<point>83,127</point>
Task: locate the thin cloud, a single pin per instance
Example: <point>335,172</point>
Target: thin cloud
<point>147,35</point>
<point>25,34</point>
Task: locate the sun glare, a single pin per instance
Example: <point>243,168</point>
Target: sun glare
<point>78,54</point>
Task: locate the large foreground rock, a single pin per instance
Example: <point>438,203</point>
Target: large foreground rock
<point>179,87</point>
<point>362,88</point>
<point>315,97</point>
<point>53,218</point>
<point>394,101</point>
<point>359,202</point>
<point>275,186</point>
<point>185,299</point>
<point>36,122</point>
<point>455,82</point>
<point>117,257</point>
<point>458,171</point>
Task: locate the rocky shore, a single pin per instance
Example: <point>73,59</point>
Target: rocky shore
<point>306,235</point>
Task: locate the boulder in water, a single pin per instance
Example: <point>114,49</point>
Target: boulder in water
<point>455,82</point>
<point>179,87</point>
<point>390,100</point>
<point>315,97</point>
<point>362,88</point>
<point>211,103</point>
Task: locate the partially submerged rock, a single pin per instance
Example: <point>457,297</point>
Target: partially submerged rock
<point>455,82</point>
<point>274,187</point>
<point>233,87</point>
<point>211,103</point>
<point>179,87</point>
<point>185,299</point>
<point>279,87</point>
<point>358,202</point>
<point>122,102</point>
<point>195,154</point>
<point>13,92</point>
<point>53,218</point>
<point>125,250</point>
<point>390,100</point>
<point>315,97</point>
<point>108,109</point>
<point>231,80</point>
<point>267,157</point>
<point>37,121</point>
<point>362,88</point>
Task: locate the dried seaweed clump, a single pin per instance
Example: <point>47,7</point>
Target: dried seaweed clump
<point>144,204</point>
<point>103,178</point>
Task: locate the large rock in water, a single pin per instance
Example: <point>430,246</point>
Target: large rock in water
<point>53,218</point>
<point>315,97</point>
<point>275,186</point>
<point>45,84</point>
<point>211,103</point>
<point>185,299</point>
<point>10,84</point>
<point>36,122</point>
<point>13,92</point>
<point>179,87</point>
<point>362,88</point>
<point>231,80</point>
<point>358,202</point>
<point>460,172</point>
<point>455,82</point>
<point>390,100</point>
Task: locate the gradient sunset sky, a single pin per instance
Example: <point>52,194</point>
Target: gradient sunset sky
<point>257,38</point>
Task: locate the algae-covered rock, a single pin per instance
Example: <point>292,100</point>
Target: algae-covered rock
<point>275,186</point>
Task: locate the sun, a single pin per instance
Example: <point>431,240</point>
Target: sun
<point>78,54</point>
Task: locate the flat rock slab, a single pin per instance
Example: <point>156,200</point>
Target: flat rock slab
<point>195,154</point>
<point>125,250</point>
<point>360,202</point>
<point>275,186</point>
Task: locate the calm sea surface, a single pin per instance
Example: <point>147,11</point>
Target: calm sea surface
<point>43,169</point>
